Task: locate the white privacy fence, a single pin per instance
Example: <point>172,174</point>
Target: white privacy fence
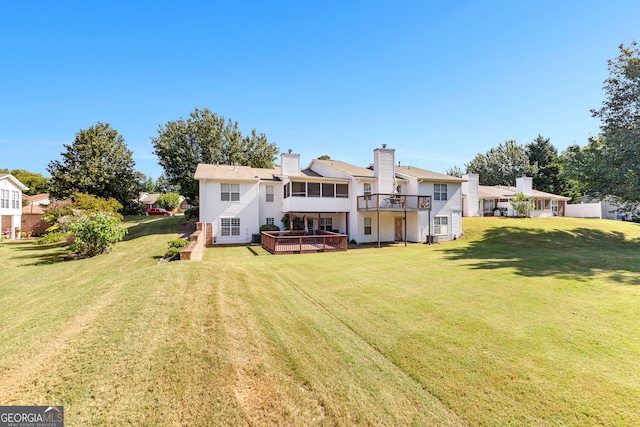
<point>584,210</point>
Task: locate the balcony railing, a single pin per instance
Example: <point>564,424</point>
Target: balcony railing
<point>298,242</point>
<point>394,202</point>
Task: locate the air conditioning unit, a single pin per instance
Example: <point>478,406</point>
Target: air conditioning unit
<point>432,239</point>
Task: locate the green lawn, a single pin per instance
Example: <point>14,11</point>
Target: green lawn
<point>521,322</point>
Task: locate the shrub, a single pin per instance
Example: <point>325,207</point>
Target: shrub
<point>169,201</point>
<point>521,205</point>
<point>95,234</point>
<point>92,204</point>
<point>52,237</point>
<point>269,227</point>
<point>192,213</point>
<point>173,253</point>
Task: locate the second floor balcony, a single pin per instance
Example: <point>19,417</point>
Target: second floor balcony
<point>394,202</point>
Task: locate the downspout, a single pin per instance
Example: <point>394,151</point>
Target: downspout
<point>405,220</point>
<point>429,229</point>
<point>202,211</point>
<point>378,226</point>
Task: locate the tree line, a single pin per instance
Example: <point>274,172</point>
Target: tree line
<point>608,166</point>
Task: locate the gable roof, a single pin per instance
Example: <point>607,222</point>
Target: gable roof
<point>15,181</point>
<point>347,168</point>
<point>507,192</point>
<point>242,173</point>
<point>426,175</point>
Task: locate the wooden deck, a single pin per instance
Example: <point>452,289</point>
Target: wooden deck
<point>294,242</point>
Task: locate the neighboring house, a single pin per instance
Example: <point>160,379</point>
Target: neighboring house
<point>150,200</point>
<point>483,200</point>
<point>35,204</point>
<point>33,212</point>
<point>382,202</point>
<point>10,205</point>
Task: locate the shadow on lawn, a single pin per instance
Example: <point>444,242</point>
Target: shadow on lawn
<point>140,226</point>
<point>577,254</point>
<point>41,254</point>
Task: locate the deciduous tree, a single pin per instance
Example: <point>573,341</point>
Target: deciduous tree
<point>206,137</point>
<point>610,164</point>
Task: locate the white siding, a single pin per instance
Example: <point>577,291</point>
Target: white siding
<point>247,209</point>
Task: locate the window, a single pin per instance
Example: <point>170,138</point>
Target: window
<point>327,190</point>
<point>342,191</point>
<point>270,221</point>
<point>298,189</point>
<point>487,205</point>
<point>554,206</point>
<point>367,190</point>
<point>229,192</point>
<point>439,191</point>
<point>367,226</point>
<point>268,190</point>
<point>440,225</point>
<point>313,189</point>
<point>229,226</point>
<point>326,224</point>
<point>16,199</point>
<point>4,198</point>
<point>287,190</point>
<point>309,225</point>
<point>539,204</point>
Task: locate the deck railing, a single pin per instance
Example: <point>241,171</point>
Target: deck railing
<point>394,202</point>
<point>298,242</point>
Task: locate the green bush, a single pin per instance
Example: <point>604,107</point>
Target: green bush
<point>192,213</point>
<point>52,237</point>
<point>269,227</point>
<point>173,253</point>
<point>95,234</point>
<point>169,201</point>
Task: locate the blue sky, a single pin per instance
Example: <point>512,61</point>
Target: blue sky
<point>438,81</point>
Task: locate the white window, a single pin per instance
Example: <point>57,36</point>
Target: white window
<point>439,191</point>
<point>4,198</point>
<point>229,192</point>
<point>270,221</point>
<point>16,199</point>
<point>487,205</point>
<point>367,189</point>
<point>229,226</point>
<point>326,224</point>
<point>440,225</point>
<point>367,226</point>
<point>554,206</point>
<point>269,193</point>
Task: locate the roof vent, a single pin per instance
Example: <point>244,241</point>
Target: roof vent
<point>384,145</point>
<point>290,151</point>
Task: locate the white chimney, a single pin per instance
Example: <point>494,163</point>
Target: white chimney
<point>471,190</point>
<point>290,164</point>
<point>524,184</point>
<point>384,169</point>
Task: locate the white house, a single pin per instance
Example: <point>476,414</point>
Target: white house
<point>10,205</point>
<point>381,202</point>
<point>484,200</point>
